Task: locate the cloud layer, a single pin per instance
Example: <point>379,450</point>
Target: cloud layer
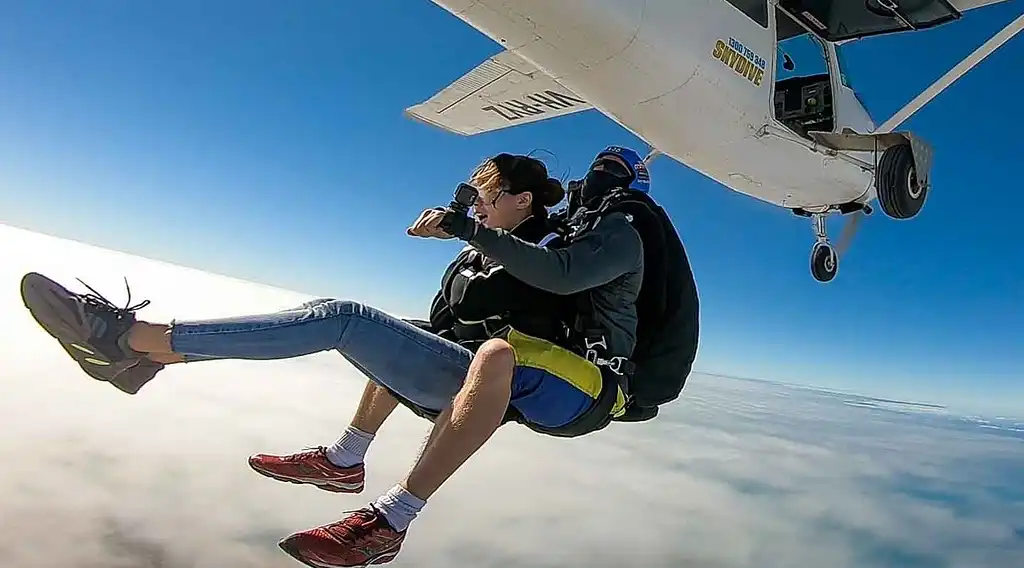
<point>736,474</point>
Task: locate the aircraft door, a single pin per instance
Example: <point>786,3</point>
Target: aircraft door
<point>810,93</point>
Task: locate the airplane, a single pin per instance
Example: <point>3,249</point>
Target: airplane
<point>697,81</point>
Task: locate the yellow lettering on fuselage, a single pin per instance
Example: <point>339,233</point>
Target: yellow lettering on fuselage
<point>738,62</point>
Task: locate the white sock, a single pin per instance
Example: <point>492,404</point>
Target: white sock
<point>350,448</point>
<point>399,507</point>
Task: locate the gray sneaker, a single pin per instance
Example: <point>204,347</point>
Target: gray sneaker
<point>132,379</point>
<point>91,330</point>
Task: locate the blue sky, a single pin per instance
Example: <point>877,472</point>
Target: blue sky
<point>266,140</point>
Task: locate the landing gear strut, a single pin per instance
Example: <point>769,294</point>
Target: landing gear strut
<point>900,194</point>
<point>824,258</point>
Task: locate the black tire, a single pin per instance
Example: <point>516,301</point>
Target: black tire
<point>900,194</point>
<point>824,263</point>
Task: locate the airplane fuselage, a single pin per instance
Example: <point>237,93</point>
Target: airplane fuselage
<point>694,79</point>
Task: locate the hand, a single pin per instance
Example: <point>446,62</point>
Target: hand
<point>428,225</point>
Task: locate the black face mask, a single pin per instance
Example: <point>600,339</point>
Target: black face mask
<point>598,183</point>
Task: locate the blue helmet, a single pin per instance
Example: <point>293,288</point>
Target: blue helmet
<point>641,177</point>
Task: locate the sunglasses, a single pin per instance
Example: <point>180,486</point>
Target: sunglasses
<point>613,166</point>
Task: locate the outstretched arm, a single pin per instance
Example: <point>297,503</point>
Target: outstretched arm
<point>611,249</point>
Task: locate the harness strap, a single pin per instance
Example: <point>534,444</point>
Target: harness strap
<point>593,345</point>
<point>587,340</point>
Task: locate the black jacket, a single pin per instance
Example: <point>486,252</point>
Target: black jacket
<point>478,297</point>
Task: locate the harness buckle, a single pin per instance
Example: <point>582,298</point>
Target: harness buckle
<point>615,364</point>
<point>590,353</point>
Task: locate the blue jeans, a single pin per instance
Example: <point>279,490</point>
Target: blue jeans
<point>418,365</point>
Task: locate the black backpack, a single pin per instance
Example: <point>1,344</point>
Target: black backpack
<point>667,307</point>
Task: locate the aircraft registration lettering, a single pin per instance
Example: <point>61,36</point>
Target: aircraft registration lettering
<point>533,104</point>
<point>741,59</point>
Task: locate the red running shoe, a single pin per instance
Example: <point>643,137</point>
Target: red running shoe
<point>361,539</point>
<point>311,467</point>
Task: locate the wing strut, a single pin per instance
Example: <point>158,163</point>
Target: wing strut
<point>986,49</point>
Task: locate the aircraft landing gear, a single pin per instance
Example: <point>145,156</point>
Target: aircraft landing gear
<point>900,193</point>
<point>824,258</point>
<point>824,262</point>
<point>825,255</point>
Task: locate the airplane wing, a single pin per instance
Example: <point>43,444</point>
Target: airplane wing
<point>503,91</point>
<point>965,5</point>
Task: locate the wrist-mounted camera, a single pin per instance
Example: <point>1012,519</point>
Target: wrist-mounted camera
<point>456,220</point>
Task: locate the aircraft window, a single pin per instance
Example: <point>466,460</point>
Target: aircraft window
<point>807,54</point>
<point>756,10</point>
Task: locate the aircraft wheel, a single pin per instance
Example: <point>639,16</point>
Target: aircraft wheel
<point>900,193</point>
<point>824,262</point>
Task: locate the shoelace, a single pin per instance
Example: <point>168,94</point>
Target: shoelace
<point>360,533</point>
<point>98,300</point>
<point>303,454</point>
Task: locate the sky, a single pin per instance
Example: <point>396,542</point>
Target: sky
<point>737,474</point>
<point>266,141</point>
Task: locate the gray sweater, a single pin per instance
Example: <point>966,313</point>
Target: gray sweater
<point>608,258</point>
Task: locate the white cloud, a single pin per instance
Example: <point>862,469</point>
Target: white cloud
<point>736,474</point>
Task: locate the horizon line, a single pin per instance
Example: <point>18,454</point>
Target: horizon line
<point>709,373</point>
